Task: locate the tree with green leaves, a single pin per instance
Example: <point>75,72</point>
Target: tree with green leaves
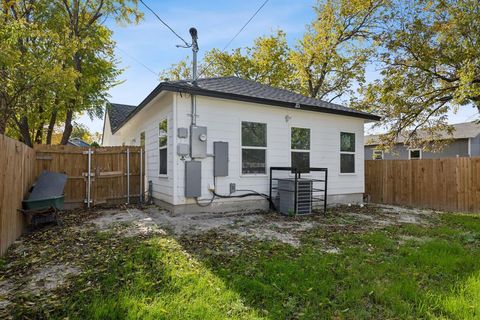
<point>334,51</point>
<point>30,67</point>
<point>430,60</point>
<point>266,62</point>
<point>94,58</point>
<point>56,61</point>
<point>329,59</point>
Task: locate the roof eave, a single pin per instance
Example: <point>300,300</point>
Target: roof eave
<point>291,105</point>
<point>164,86</point>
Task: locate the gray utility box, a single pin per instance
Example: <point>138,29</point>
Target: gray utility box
<point>198,142</point>
<point>193,179</point>
<point>287,196</point>
<point>220,161</point>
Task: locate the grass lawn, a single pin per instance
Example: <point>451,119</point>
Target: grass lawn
<point>399,272</point>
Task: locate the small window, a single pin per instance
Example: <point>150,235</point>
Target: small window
<point>377,155</point>
<point>254,148</point>
<point>142,139</point>
<point>347,152</point>
<point>300,149</point>
<point>162,146</point>
<point>415,154</point>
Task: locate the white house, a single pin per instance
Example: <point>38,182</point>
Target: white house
<point>263,126</point>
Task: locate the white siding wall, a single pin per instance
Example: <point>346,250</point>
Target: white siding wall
<point>223,119</point>
<point>147,120</point>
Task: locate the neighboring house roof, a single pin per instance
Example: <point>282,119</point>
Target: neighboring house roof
<point>460,131</point>
<point>78,142</point>
<point>118,113</point>
<point>234,88</point>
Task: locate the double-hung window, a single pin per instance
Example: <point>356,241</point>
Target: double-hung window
<point>254,148</point>
<point>347,152</point>
<point>414,154</point>
<point>300,149</point>
<point>162,146</point>
<point>377,155</point>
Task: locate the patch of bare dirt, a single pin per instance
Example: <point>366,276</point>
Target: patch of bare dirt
<point>50,277</point>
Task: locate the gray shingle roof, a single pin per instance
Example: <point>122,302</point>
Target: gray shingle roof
<point>238,87</point>
<point>463,130</point>
<point>234,88</point>
<point>78,142</point>
<point>118,113</point>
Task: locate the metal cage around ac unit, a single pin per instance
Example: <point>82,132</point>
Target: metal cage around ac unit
<point>296,195</point>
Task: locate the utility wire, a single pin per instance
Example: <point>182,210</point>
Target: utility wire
<point>138,61</point>
<point>165,24</point>
<point>234,37</point>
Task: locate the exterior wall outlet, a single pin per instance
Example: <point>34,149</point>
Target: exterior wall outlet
<point>211,187</point>
<point>233,188</point>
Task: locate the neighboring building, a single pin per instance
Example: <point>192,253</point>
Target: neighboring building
<point>258,122</point>
<point>77,142</point>
<point>465,142</point>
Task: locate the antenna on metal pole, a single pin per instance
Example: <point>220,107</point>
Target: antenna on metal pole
<point>194,45</point>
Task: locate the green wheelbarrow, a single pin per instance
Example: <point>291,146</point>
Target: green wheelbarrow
<point>45,199</point>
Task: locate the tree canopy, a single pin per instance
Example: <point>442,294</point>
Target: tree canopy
<point>324,64</point>
<point>430,65</point>
<point>427,53</point>
<point>56,61</point>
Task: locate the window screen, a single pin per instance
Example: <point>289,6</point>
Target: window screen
<point>300,149</point>
<point>254,148</point>
<point>347,152</point>
<point>163,146</point>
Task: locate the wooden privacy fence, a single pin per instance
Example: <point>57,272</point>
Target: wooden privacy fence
<point>17,173</point>
<point>444,184</point>
<point>95,175</point>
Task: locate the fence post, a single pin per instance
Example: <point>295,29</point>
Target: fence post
<point>141,176</point>
<point>128,175</point>
<point>89,188</point>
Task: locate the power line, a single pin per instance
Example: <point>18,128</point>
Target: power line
<point>165,24</point>
<point>234,37</point>
<point>137,61</point>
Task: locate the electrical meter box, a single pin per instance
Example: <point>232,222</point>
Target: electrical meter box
<point>198,141</point>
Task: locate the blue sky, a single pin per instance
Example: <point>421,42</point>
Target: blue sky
<point>150,45</point>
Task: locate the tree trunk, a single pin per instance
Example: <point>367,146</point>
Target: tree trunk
<point>68,127</point>
<point>68,119</point>
<point>3,115</point>
<point>51,126</point>
<point>25,132</point>
<point>39,133</point>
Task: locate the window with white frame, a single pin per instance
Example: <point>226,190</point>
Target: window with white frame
<point>414,154</point>
<point>254,148</point>
<point>347,152</point>
<point>162,146</point>
<point>300,149</point>
<point>377,155</point>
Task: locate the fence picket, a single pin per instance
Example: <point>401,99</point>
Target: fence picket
<point>444,184</point>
